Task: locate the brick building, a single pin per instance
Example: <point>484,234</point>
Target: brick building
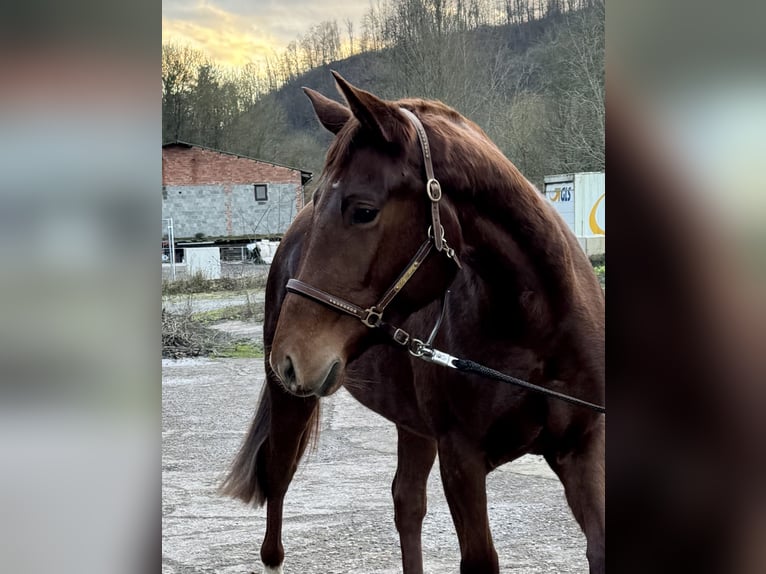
<point>226,196</point>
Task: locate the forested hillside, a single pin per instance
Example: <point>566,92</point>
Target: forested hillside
<point>530,72</point>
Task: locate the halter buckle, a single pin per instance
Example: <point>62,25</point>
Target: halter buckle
<point>434,190</point>
<point>372,317</point>
<point>400,336</point>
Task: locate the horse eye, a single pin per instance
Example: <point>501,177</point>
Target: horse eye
<point>363,215</point>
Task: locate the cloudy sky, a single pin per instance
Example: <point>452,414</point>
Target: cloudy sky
<point>235,32</point>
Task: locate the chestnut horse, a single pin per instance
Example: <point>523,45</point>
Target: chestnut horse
<point>525,301</point>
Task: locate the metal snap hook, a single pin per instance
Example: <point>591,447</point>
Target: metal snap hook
<point>417,348</point>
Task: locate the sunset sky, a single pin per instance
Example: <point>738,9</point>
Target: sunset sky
<point>235,32</point>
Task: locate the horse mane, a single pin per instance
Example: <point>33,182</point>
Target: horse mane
<point>492,178</point>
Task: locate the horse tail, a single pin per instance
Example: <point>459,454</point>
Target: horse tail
<point>242,481</point>
<point>310,436</point>
<point>245,479</point>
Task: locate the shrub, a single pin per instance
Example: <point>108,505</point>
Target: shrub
<point>184,337</point>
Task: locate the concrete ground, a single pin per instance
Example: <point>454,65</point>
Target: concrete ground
<point>338,512</point>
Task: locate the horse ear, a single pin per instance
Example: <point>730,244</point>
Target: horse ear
<point>379,117</point>
<point>331,114</point>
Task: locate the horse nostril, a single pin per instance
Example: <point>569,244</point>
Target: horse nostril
<point>330,379</point>
<point>288,370</point>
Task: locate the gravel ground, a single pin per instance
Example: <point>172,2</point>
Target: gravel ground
<point>200,302</point>
<point>241,329</point>
<point>338,512</point>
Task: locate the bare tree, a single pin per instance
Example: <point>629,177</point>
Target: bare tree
<point>179,73</point>
<point>579,130</point>
<point>350,36</point>
<point>538,90</point>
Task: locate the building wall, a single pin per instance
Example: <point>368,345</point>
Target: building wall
<point>212,193</point>
<point>228,209</point>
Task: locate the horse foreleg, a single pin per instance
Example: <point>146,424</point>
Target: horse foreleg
<point>464,473</point>
<point>581,470</point>
<point>272,551</point>
<point>416,456</point>
<point>291,427</point>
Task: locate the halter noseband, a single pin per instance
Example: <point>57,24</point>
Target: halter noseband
<point>372,317</point>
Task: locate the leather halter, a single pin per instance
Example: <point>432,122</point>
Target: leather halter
<point>372,317</point>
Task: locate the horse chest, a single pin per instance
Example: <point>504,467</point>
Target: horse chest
<point>449,401</point>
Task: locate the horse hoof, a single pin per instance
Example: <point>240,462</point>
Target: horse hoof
<point>273,570</point>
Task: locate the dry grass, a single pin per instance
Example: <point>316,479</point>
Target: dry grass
<point>182,336</point>
<point>198,283</point>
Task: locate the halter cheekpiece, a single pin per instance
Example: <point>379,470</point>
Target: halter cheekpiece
<point>372,317</point>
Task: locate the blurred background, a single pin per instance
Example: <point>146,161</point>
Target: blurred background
<point>80,124</point>
<point>686,88</point>
<point>83,114</point>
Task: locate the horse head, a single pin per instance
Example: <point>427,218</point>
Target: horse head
<point>371,213</point>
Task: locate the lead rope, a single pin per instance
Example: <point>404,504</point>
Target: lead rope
<point>426,352</point>
<point>437,357</point>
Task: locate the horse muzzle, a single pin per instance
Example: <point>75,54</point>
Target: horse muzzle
<point>319,377</point>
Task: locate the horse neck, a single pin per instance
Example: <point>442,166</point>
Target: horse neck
<point>509,233</point>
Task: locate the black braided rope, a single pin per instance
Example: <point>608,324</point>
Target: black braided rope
<point>467,366</point>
